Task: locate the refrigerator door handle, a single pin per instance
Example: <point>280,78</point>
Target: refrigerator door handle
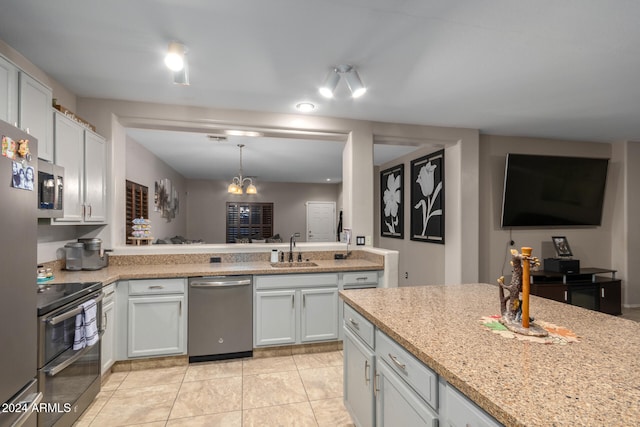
<point>218,283</point>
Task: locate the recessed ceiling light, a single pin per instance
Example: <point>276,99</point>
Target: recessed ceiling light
<point>305,107</point>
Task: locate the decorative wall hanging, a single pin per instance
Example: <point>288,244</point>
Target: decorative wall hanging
<point>392,202</point>
<point>166,199</point>
<point>427,198</point>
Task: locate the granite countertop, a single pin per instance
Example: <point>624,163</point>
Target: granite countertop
<point>114,273</point>
<point>593,382</point>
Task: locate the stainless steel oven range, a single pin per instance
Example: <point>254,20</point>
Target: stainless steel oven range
<point>69,379</point>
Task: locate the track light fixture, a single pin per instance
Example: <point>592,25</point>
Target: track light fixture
<point>352,78</point>
<point>176,61</point>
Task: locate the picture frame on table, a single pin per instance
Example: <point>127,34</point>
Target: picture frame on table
<point>561,244</point>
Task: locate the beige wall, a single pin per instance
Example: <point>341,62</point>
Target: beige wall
<point>206,206</point>
<point>591,245</point>
<point>144,168</point>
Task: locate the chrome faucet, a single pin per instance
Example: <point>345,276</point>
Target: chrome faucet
<point>292,244</point>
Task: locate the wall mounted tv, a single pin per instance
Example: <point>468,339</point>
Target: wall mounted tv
<point>553,191</point>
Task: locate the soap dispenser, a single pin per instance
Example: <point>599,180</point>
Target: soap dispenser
<point>274,255</point>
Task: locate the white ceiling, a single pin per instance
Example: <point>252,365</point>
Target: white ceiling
<point>539,68</point>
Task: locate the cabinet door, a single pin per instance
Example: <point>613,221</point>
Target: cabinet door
<point>275,317</point>
<point>95,178</point>
<point>397,404</point>
<point>319,315</point>
<point>457,410</point>
<point>69,154</point>
<point>556,292</point>
<point>156,326</point>
<point>611,297</point>
<point>358,380</point>
<point>35,113</point>
<point>8,92</point>
<point>109,336</point>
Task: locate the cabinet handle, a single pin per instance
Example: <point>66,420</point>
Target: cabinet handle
<point>565,295</point>
<point>361,278</point>
<point>156,287</point>
<point>89,211</point>
<point>304,301</point>
<point>366,372</point>
<point>375,385</point>
<point>180,309</point>
<point>292,302</point>
<point>353,322</point>
<point>602,292</point>
<point>104,320</point>
<point>397,363</point>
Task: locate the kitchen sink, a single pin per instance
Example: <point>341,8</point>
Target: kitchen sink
<point>293,264</point>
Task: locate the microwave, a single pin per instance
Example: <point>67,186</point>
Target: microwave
<point>50,189</point>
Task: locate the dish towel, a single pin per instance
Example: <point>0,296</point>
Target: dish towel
<point>86,332</point>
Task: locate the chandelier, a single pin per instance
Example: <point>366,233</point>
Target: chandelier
<point>238,183</point>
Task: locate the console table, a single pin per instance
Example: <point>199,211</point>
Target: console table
<point>592,288</point>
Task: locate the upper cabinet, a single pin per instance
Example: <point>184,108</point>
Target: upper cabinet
<point>35,113</point>
<point>26,102</point>
<point>8,91</point>
<point>82,153</point>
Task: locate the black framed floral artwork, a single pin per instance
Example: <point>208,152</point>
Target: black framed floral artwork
<point>392,202</point>
<point>427,198</point>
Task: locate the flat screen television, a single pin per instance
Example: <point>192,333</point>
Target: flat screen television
<point>553,191</point>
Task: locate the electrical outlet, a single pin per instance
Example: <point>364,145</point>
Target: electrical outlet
<point>406,274</point>
<point>215,259</point>
<point>368,241</point>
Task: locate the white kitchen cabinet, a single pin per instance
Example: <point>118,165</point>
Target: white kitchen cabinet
<point>35,113</point>
<point>156,314</point>
<point>95,177</point>
<point>319,315</point>
<point>456,410</point>
<point>8,91</point>
<point>108,344</point>
<point>295,309</point>
<point>359,368</point>
<point>275,317</point>
<point>82,153</point>
<point>397,404</point>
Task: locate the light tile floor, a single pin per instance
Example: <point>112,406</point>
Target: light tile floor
<point>631,314</point>
<point>298,390</point>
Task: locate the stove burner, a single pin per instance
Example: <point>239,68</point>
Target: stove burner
<point>53,296</point>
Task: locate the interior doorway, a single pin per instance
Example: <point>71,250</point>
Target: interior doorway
<point>321,221</point>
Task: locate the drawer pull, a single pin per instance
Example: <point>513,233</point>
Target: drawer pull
<point>361,278</point>
<point>353,322</point>
<point>156,287</point>
<point>366,372</point>
<point>397,363</point>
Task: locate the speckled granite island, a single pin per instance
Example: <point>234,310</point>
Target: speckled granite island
<point>594,382</point>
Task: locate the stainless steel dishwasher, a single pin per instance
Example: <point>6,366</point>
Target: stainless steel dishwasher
<point>220,318</point>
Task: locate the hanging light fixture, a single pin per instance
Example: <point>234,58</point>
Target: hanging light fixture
<point>237,184</point>
<point>352,78</point>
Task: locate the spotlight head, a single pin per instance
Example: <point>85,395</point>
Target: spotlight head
<point>354,82</point>
<point>330,83</point>
<point>175,56</point>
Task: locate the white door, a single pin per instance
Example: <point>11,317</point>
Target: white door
<point>321,221</point>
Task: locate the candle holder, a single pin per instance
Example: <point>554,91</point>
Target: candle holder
<point>514,308</point>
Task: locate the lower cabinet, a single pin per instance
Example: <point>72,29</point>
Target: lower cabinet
<point>385,385</point>
<point>397,404</point>
<point>295,309</point>
<point>108,345</point>
<point>359,370</point>
<point>156,314</point>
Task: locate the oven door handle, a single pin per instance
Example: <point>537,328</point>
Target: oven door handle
<point>28,410</point>
<point>55,370</point>
<point>69,314</point>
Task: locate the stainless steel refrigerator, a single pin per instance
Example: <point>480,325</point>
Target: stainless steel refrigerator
<point>18,259</point>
